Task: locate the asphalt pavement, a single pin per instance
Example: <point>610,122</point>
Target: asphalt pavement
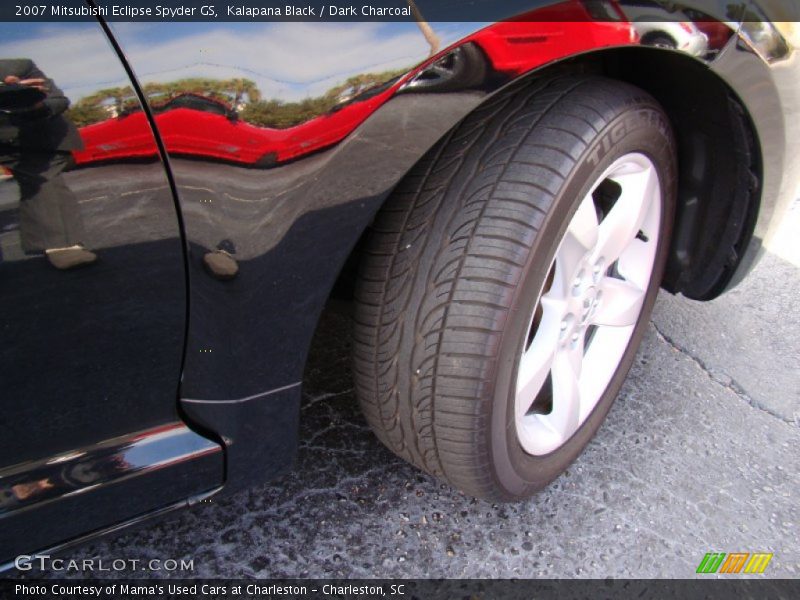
<point>700,453</point>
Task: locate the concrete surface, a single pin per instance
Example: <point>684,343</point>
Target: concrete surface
<point>700,453</point>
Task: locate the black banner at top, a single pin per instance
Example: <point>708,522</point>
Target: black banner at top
<point>397,10</point>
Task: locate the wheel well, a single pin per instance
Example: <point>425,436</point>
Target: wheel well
<point>719,159</point>
<point>719,180</point>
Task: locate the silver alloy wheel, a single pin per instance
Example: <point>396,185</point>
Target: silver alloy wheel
<point>589,306</point>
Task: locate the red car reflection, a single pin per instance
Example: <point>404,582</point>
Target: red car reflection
<point>194,125</point>
<point>550,33</point>
<point>197,126</point>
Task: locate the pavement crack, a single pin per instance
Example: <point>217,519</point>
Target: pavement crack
<point>729,383</point>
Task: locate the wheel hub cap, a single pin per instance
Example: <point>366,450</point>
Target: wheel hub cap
<point>587,312</point>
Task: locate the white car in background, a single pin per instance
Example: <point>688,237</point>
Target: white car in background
<point>662,29</point>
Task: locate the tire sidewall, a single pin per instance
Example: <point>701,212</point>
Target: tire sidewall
<point>641,127</point>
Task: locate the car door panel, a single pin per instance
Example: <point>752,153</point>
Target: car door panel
<point>92,302</point>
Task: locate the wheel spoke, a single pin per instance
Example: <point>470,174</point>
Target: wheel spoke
<point>537,360</point>
<point>583,226</point>
<point>574,354</point>
<point>564,419</point>
<point>594,290</point>
<point>620,304</point>
<point>621,225</point>
<point>441,70</point>
<point>581,236</point>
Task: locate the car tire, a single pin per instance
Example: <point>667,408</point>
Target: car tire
<point>467,271</point>
<point>460,69</point>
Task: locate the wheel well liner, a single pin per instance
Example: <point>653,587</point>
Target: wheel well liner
<point>720,168</point>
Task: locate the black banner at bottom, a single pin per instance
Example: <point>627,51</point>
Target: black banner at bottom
<point>408,589</point>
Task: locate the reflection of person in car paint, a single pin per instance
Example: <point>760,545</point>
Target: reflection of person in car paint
<point>36,141</point>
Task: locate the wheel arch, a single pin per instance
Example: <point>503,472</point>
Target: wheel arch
<point>720,162</point>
